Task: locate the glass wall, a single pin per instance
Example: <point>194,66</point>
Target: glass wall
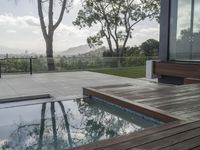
<point>185,30</point>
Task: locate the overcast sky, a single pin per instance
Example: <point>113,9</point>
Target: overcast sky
<point>20,28</point>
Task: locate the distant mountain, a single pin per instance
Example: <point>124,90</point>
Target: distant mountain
<point>6,50</point>
<point>74,51</point>
<point>96,53</point>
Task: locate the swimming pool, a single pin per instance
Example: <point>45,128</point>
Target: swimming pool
<point>65,124</point>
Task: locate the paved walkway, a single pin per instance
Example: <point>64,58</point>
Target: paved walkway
<point>60,84</point>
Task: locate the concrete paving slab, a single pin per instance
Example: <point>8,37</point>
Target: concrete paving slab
<point>61,84</point>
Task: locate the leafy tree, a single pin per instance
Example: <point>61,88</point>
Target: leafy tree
<point>150,47</point>
<point>48,32</point>
<point>132,51</point>
<point>117,19</point>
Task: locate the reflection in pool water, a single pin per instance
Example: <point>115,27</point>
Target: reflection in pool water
<point>64,124</point>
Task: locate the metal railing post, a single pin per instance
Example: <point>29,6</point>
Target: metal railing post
<point>31,68</point>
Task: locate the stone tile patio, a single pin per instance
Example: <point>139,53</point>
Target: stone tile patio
<point>61,84</point>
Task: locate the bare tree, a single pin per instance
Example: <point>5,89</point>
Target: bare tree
<point>48,32</point>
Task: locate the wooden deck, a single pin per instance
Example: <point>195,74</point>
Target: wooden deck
<point>178,106</point>
<point>182,102</point>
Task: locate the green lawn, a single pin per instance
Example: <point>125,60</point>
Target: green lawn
<point>135,72</point>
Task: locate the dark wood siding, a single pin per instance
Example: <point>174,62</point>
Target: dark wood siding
<point>177,70</point>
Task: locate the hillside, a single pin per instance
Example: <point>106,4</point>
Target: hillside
<point>77,50</point>
<point>96,53</point>
<point>83,51</point>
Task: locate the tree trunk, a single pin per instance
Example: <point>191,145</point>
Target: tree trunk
<point>119,62</point>
<point>49,54</point>
<point>53,118</point>
<point>110,46</point>
<point>111,49</point>
<point>118,54</point>
<point>66,124</point>
<point>40,141</point>
<point>51,28</point>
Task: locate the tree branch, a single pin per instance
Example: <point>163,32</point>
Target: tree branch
<point>61,14</point>
<point>50,30</point>
<point>53,118</point>
<point>66,124</point>
<point>44,1</point>
<point>43,26</point>
<point>40,141</point>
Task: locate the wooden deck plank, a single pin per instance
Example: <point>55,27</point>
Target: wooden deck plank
<point>175,100</point>
<point>196,148</point>
<point>169,97</point>
<point>175,105</point>
<point>172,140</point>
<point>148,90</point>
<point>115,86</point>
<point>155,97</point>
<point>136,142</point>
<point>193,144</point>
<point>187,111</point>
<point>159,100</point>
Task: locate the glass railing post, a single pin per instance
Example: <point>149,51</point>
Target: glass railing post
<point>0,70</point>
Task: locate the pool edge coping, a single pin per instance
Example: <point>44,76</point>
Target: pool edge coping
<point>135,106</point>
<point>25,98</point>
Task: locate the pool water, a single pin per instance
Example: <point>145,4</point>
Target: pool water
<point>64,124</point>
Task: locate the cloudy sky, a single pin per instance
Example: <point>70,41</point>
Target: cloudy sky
<point>20,28</point>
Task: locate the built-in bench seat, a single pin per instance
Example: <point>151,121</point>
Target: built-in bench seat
<point>177,73</point>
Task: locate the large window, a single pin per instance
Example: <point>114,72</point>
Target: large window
<point>185,30</point>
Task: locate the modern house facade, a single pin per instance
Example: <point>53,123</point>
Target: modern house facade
<point>179,42</point>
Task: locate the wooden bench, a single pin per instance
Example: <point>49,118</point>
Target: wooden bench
<point>180,73</point>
